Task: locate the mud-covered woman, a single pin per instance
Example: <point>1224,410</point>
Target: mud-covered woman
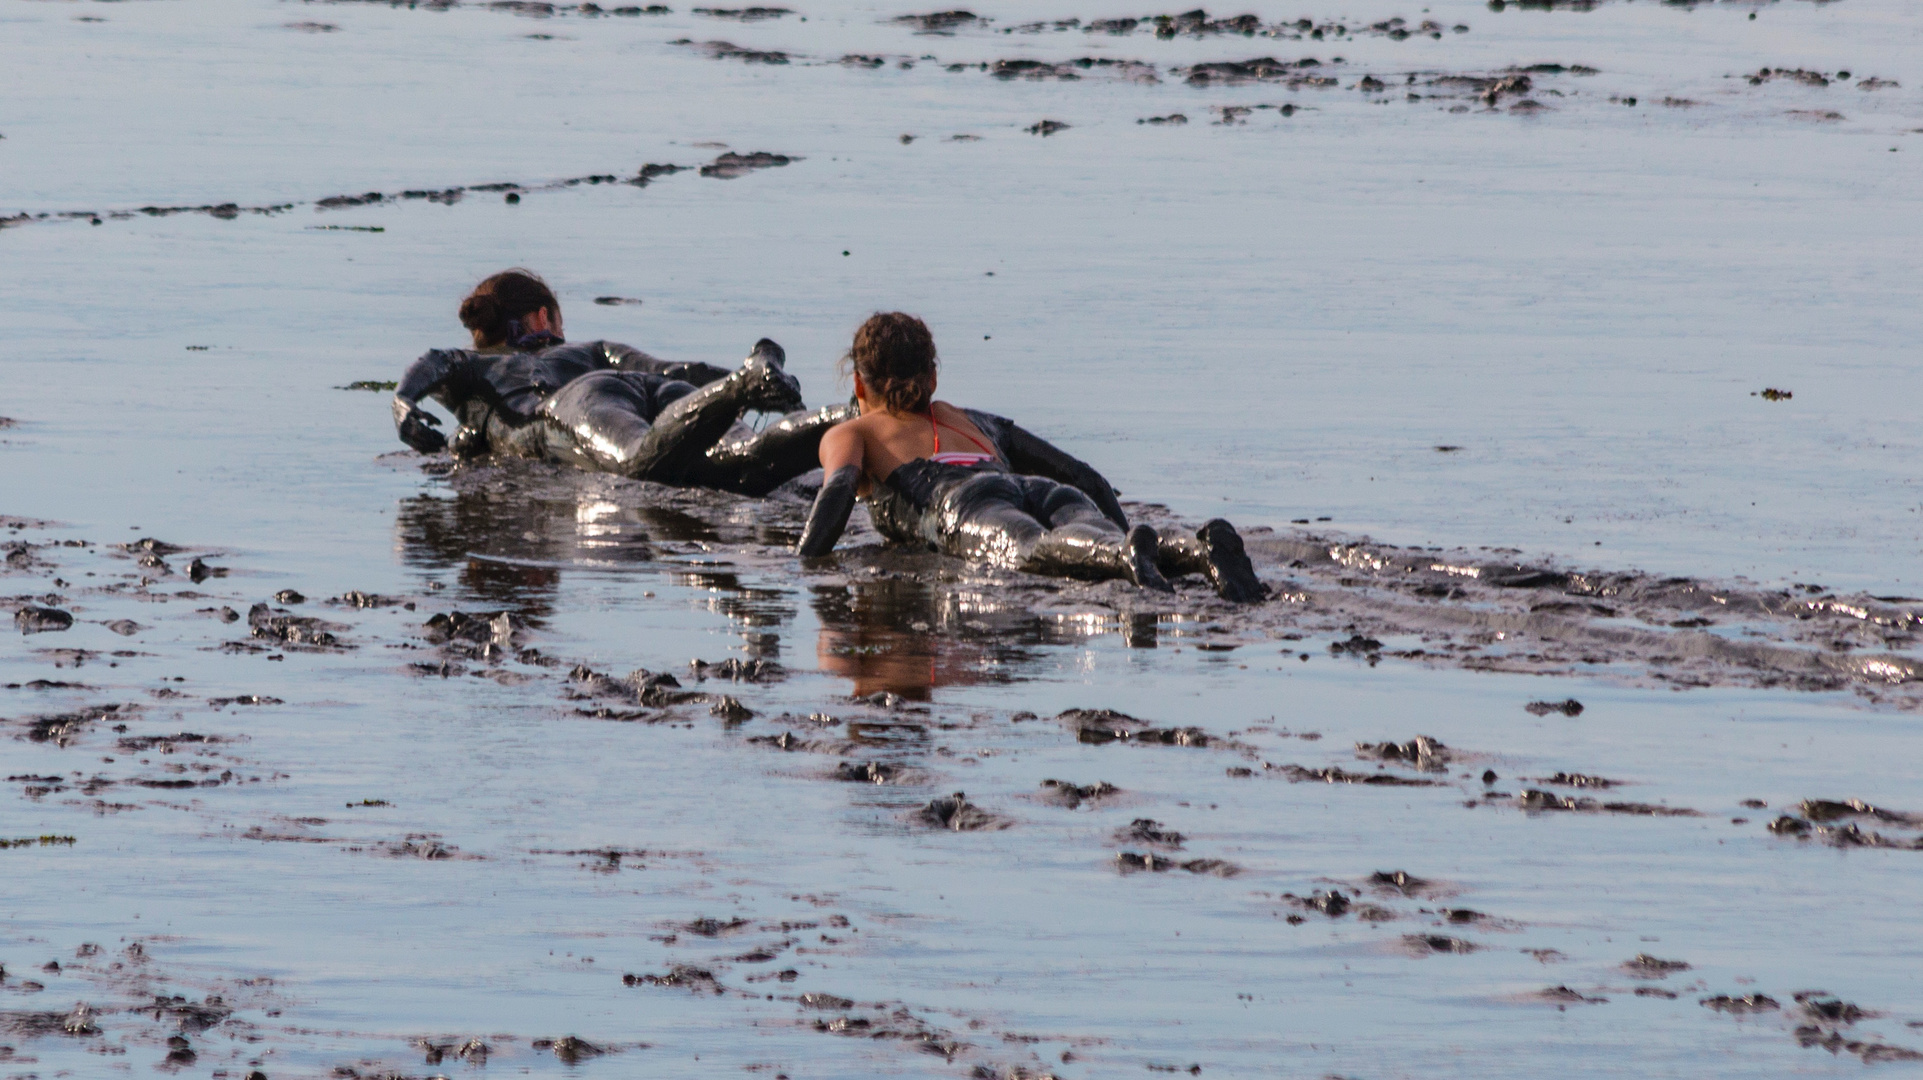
<point>522,390</point>
<point>933,476</point>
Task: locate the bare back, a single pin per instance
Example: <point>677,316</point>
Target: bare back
<point>881,442</point>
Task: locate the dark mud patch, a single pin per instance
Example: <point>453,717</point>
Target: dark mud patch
<point>1071,795</point>
<point>1535,799</point>
<point>1850,835</point>
<point>608,860</point>
<point>286,629</point>
<point>64,729</point>
<point>1563,997</point>
<point>939,22</point>
<point>954,813</point>
<point>875,772</point>
<point>1300,774</point>
<point>727,50</point>
<point>1824,1009</point>
<point>188,1016</point>
<point>41,620</point>
<point>713,928</point>
<point>679,977</point>
<point>1404,884</point>
<point>1099,726</point>
<point>1131,862</point>
<point>1645,966</point>
<point>1420,945</point>
<point>1151,832</point>
<point>571,1050</point>
<point>166,744</point>
<point>423,846</point>
<point>1046,127</point>
<point>1871,1053</point>
<point>243,699</point>
<point>445,196</point>
<point>1827,810</point>
<point>37,841</point>
<point>731,165</point>
<point>1070,71</point>
<point>1578,780</point>
<point>734,669</point>
<point>1422,753</point>
<point>1294,74</point>
<point>1745,1005</point>
<point>748,14</point>
<point>1335,904</point>
<point>78,1022</point>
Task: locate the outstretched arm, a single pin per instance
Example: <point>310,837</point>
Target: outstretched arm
<point>841,459</point>
<point>414,424</point>
<point>1035,456</point>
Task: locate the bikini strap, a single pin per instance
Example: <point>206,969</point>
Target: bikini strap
<point>936,428</point>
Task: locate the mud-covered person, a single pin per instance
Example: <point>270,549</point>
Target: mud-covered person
<point>522,390</point>
<point>933,477</point>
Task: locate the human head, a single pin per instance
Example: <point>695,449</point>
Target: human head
<point>894,361</point>
<point>510,305</point>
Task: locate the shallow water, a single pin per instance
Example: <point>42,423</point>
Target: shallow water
<point>1275,319</point>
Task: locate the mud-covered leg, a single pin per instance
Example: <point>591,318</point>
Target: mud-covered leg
<point>675,449</point>
<point>759,463</point>
<point>1216,551</point>
<point>1083,542</point>
<point>600,420</point>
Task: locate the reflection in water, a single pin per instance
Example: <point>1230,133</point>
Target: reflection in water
<point>908,636</point>
<point>507,534</point>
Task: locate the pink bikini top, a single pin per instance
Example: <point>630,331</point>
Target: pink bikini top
<point>957,457</point>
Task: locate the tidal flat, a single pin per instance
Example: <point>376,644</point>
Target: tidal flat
<point>1556,360</point>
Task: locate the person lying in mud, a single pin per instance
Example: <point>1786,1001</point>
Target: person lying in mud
<point>523,391</point>
<point>967,501</point>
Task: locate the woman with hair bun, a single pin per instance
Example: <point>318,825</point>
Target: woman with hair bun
<point>523,391</point>
<point>970,501</point>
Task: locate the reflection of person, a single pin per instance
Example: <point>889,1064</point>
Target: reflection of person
<point>968,501</point>
<point>898,635</point>
<point>523,391</point>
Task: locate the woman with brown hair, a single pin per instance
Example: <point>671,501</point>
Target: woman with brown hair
<point>605,406</point>
<point>967,500</point>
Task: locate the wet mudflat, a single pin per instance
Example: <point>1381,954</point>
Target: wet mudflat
<point>923,821</point>
<point>324,759</point>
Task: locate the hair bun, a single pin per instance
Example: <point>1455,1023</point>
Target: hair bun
<point>508,295</point>
<point>480,312</point>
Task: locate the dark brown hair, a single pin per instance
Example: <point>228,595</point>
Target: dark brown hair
<point>507,295</point>
<point>895,356</point>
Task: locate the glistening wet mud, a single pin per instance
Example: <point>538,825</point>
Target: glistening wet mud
<point>1565,404</point>
<point>926,675</point>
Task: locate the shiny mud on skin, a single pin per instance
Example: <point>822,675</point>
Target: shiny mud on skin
<point>630,790</point>
<point>561,806</point>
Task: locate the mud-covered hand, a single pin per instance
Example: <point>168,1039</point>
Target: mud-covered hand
<point>416,427</point>
<point>829,517</point>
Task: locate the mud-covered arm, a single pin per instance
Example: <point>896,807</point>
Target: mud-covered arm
<point>1033,455</point>
<point>425,376</point>
<point>628,358</point>
<point>829,517</point>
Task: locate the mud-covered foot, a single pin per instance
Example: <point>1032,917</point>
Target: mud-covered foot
<point>1229,566</point>
<point>1143,548</point>
<point>767,387</point>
